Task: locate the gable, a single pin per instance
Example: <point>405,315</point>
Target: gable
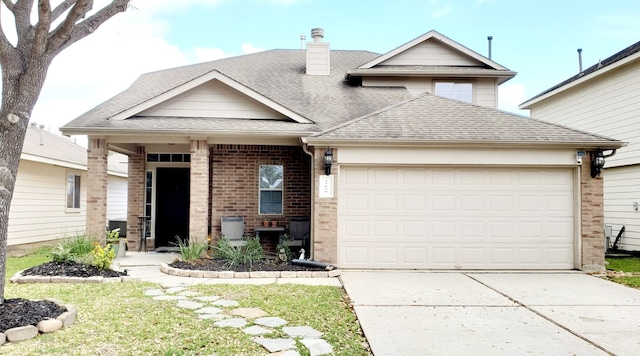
<point>431,53</point>
<point>213,99</point>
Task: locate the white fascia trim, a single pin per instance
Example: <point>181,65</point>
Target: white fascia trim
<point>527,104</point>
<point>438,36</point>
<point>63,164</point>
<point>213,75</point>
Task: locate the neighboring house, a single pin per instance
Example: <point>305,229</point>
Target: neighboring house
<point>50,195</point>
<point>417,180</point>
<point>605,98</point>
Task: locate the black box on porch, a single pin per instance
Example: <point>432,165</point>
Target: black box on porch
<point>119,223</point>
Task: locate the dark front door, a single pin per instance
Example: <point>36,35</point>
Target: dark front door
<point>172,205</point>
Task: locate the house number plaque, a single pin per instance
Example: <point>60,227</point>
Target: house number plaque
<point>326,186</point>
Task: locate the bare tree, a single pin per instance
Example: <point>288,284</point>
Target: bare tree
<point>24,70</point>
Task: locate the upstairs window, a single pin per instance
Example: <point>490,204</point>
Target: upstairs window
<point>271,182</point>
<point>73,191</point>
<point>453,90</point>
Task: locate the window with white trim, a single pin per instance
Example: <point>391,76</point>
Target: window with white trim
<point>73,191</point>
<point>271,183</point>
<point>453,90</point>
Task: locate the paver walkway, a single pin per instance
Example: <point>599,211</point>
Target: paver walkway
<point>254,322</point>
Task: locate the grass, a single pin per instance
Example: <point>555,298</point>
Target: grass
<point>629,265</point>
<point>118,319</point>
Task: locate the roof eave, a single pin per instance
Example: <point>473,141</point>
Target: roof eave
<point>502,76</point>
<point>68,131</point>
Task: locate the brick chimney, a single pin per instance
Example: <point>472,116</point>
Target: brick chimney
<point>318,54</point>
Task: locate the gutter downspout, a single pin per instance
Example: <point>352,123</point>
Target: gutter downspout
<point>313,197</point>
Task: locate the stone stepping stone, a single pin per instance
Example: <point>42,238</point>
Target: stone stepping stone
<point>248,313</point>
<point>271,321</point>
<point>209,298</point>
<point>189,293</point>
<point>302,331</point>
<point>231,323</point>
<point>188,304</point>
<point>174,290</point>
<point>275,345</point>
<point>257,330</point>
<point>153,292</point>
<point>212,317</point>
<point>208,310</point>
<point>170,297</point>
<point>226,303</point>
<point>317,347</point>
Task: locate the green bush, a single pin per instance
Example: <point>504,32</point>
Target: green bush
<point>239,255</point>
<point>101,258</point>
<point>283,248</point>
<point>74,249</point>
<point>190,251</point>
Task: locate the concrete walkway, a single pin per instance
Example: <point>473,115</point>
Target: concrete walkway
<point>417,313</point>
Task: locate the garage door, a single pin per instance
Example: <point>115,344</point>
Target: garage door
<point>446,218</point>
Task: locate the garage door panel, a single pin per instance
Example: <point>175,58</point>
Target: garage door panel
<point>455,218</point>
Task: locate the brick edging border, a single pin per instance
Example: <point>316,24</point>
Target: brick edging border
<point>46,326</point>
<point>165,268</point>
<point>19,278</point>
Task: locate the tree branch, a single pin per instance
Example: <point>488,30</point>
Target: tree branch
<point>22,14</point>
<point>61,33</point>
<point>42,29</point>
<point>61,8</point>
<point>59,41</point>
<point>8,4</point>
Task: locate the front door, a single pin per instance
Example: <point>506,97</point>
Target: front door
<point>172,206</point>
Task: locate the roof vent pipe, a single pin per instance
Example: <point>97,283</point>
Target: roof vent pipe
<point>317,34</point>
<point>580,59</point>
<point>302,39</point>
<point>489,39</point>
<point>41,138</point>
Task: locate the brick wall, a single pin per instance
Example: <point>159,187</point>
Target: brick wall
<point>592,217</point>
<point>234,183</point>
<point>135,199</point>
<point>325,227</point>
<point>199,191</point>
<point>97,187</point>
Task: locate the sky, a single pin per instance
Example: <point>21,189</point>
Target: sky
<point>538,39</point>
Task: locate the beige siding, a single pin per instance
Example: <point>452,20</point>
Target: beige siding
<point>621,190</point>
<point>117,198</point>
<point>214,100</point>
<point>38,209</point>
<point>485,90</point>
<point>607,105</point>
<point>431,53</point>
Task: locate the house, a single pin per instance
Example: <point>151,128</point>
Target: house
<point>50,195</point>
<point>604,98</point>
<point>401,160</point>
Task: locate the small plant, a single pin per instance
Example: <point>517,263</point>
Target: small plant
<point>239,255</point>
<point>101,258</point>
<point>283,250</point>
<point>190,251</point>
<point>113,235</point>
<point>75,249</point>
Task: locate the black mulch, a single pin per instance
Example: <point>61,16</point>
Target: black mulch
<point>22,312</point>
<point>70,269</point>
<point>208,264</point>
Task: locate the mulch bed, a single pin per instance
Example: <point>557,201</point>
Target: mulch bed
<point>22,312</point>
<point>70,269</point>
<point>209,264</point>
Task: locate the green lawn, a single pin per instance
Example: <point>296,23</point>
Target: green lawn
<point>118,319</point>
<point>628,265</point>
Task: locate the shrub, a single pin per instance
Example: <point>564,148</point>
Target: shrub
<point>283,248</point>
<point>74,249</point>
<point>101,258</point>
<point>190,251</point>
<point>239,255</point>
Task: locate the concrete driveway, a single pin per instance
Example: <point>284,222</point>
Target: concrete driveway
<point>475,313</point>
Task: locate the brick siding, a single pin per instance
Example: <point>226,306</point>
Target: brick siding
<point>135,202</point>
<point>592,217</point>
<point>199,191</point>
<point>97,154</point>
<point>325,215</point>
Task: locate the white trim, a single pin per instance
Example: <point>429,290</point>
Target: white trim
<point>438,36</point>
<point>213,75</point>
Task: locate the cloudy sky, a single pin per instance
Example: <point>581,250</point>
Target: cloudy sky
<point>538,39</point>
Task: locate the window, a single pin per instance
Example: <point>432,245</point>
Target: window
<point>271,181</point>
<point>457,91</point>
<point>73,191</point>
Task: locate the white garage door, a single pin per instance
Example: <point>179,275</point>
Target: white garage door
<point>445,218</point>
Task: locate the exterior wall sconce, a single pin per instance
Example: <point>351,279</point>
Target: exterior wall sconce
<point>328,161</point>
<point>597,163</point>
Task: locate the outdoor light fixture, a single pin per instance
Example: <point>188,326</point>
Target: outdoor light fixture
<point>597,163</point>
<point>328,161</point>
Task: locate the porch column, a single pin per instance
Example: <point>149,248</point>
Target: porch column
<point>592,219</point>
<point>135,197</point>
<point>199,191</point>
<point>325,214</point>
<point>97,154</point>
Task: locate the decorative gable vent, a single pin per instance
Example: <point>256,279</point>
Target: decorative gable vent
<point>318,61</point>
